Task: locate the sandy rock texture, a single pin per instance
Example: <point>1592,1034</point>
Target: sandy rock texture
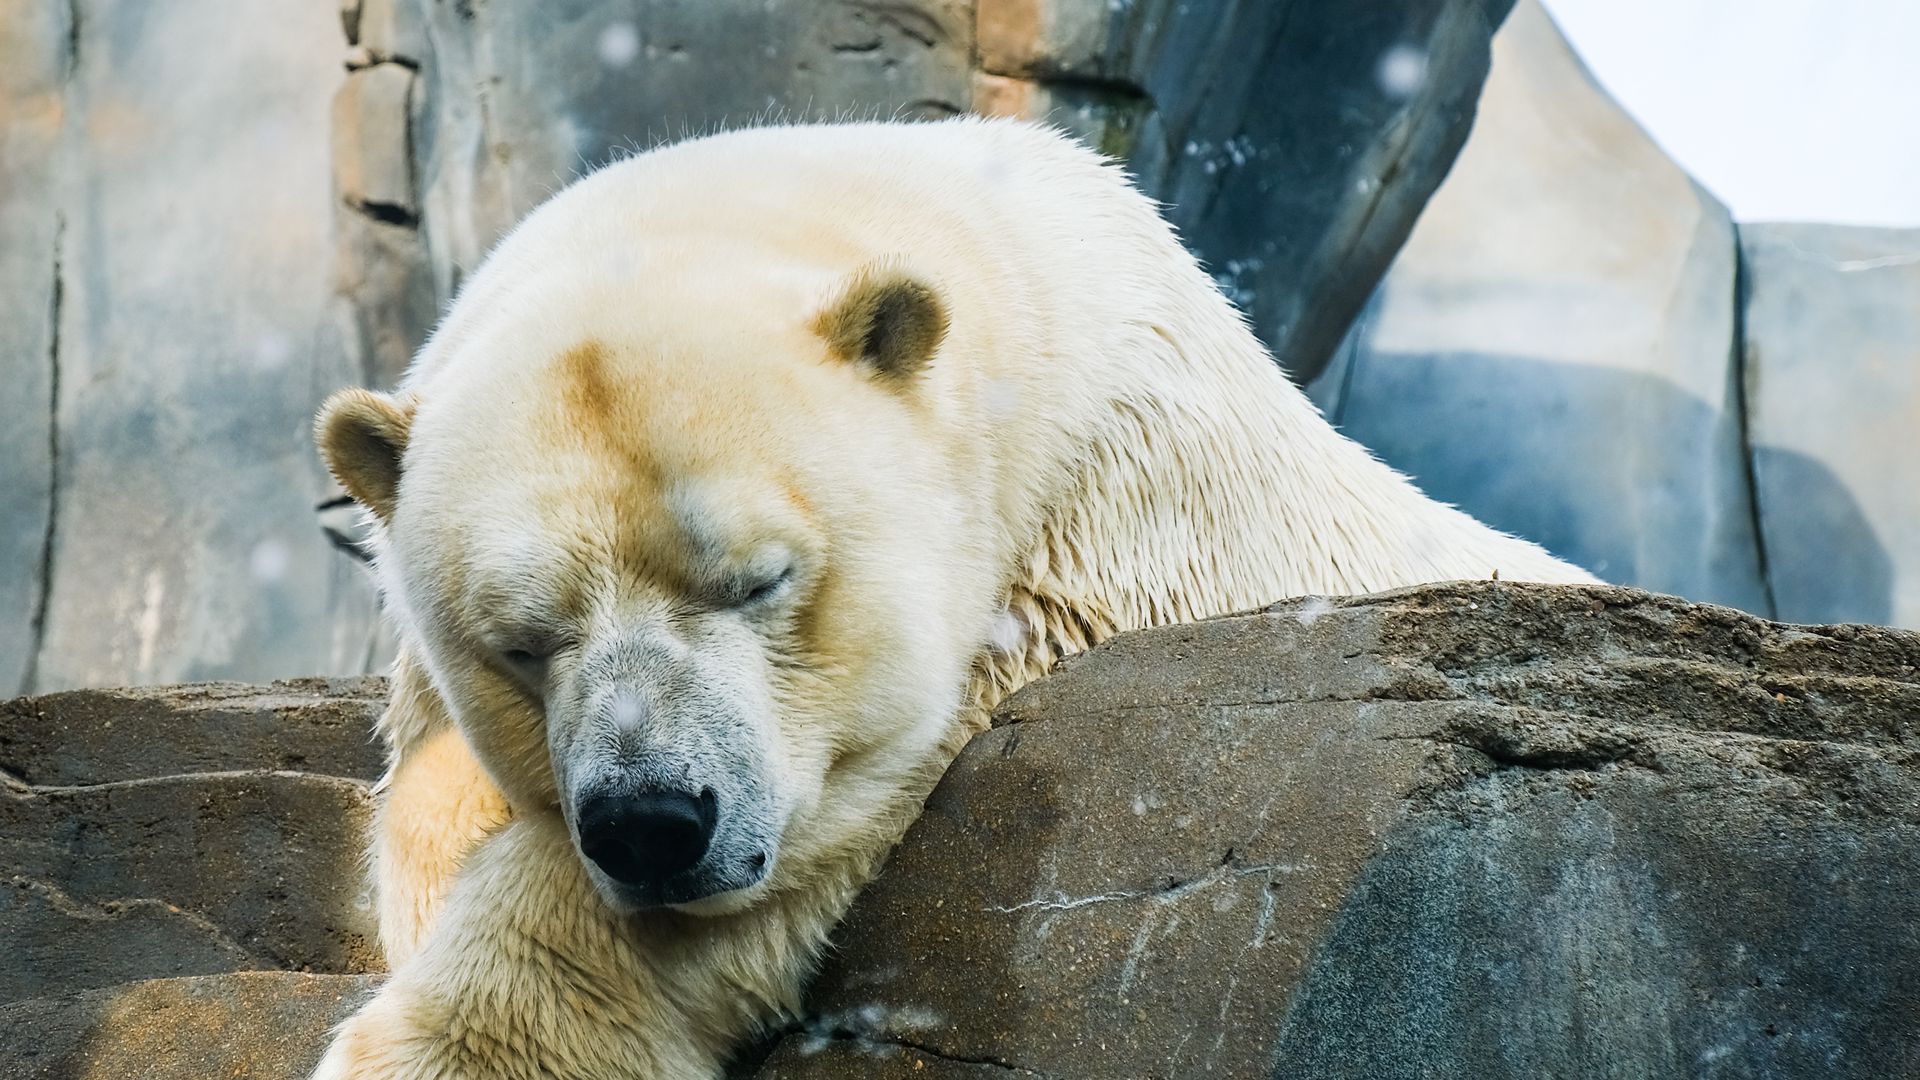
<point>1477,829</point>
<point>182,887</point>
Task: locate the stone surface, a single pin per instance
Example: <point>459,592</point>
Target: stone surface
<point>196,251</point>
<point>1479,829</point>
<point>1553,349</point>
<point>372,154</point>
<point>1294,144</point>
<point>1470,829</point>
<point>255,1025</point>
<point>188,188</point>
<point>1298,205</point>
<point>188,875</point>
<point>519,99</point>
<point>35,64</point>
<point>99,736</point>
<point>1832,337</point>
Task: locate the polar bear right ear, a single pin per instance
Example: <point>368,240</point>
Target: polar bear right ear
<point>885,319</point>
<point>363,436</point>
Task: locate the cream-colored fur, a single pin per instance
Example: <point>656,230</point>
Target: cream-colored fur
<point>1098,444</point>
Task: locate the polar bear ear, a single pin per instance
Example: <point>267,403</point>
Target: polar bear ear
<point>363,436</point>
<point>886,319</point>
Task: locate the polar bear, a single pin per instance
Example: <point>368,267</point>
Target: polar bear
<point>740,483</point>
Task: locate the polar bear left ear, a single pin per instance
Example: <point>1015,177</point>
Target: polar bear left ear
<point>885,319</point>
<point>363,436</point>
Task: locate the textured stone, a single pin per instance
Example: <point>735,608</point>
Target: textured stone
<point>386,29</point>
<point>565,86</point>
<point>98,736</point>
<point>1832,331</point>
<point>185,875</point>
<point>194,344</point>
<point>372,161</point>
<point>1295,163</point>
<point>1048,38</point>
<point>1294,144</point>
<point>383,283</point>
<point>35,63</point>
<point>1479,829</point>
<point>257,1025</point>
<point>1553,349</point>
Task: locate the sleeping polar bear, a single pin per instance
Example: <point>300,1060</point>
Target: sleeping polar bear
<point>741,482</point>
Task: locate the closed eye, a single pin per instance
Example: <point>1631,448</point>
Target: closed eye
<point>768,589</point>
<point>532,652</point>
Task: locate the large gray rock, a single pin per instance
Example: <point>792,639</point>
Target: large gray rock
<point>182,875</point>
<point>255,1025</point>
<point>99,736</point>
<point>166,204</point>
<point>35,63</point>
<point>1831,317</point>
<point>1553,350</point>
<point>168,831</point>
<point>1483,829</point>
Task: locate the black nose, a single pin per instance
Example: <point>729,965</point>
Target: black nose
<point>646,838</point>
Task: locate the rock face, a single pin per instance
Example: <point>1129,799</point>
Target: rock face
<point>154,842</point>
<point>1553,350</point>
<point>260,1025</point>
<point>1466,830</point>
<point>1831,320</point>
<point>166,336</point>
<point>34,63</point>
<point>171,317</point>
<point>1294,143</point>
<point>1578,346</point>
<point>1470,829</point>
<point>83,737</point>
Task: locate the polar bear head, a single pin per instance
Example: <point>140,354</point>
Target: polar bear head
<point>692,565</point>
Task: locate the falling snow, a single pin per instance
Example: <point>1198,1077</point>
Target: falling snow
<point>268,561</point>
<point>1403,70</point>
<point>619,44</point>
<point>1310,611</point>
<point>1008,633</point>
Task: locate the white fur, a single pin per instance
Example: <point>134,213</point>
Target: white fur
<point>1099,445</point>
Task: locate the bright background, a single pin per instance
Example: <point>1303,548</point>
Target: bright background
<point>1788,110</point>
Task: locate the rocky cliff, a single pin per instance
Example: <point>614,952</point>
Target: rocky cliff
<point>197,251</point>
<point>1472,829</point>
<point>1577,344</point>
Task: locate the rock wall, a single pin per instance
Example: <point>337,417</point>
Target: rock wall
<point>166,335</point>
<point>1466,830</point>
<point>1473,829</point>
<point>1294,143</point>
<point>1830,335</point>
<point>1575,344</point>
<point>1578,345</point>
<point>181,878</point>
<point>185,282</point>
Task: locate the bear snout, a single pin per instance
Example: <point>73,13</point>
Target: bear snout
<point>642,839</point>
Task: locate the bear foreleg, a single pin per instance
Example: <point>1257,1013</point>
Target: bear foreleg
<point>434,805</point>
<point>527,974</point>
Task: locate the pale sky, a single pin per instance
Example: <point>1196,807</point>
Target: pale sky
<point>1788,110</point>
